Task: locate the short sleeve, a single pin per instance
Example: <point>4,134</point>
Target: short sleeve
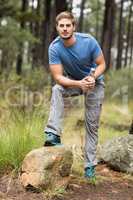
<point>95,49</point>
<point>53,56</point>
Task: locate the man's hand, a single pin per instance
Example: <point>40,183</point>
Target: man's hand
<point>91,81</point>
<point>87,83</point>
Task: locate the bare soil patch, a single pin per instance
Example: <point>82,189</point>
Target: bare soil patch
<point>111,185</point>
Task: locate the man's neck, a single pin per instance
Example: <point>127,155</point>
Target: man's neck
<point>69,42</point>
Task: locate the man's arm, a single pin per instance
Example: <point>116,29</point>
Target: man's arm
<point>100,66</point>
<point>98,71</point>
<point>57,73</point>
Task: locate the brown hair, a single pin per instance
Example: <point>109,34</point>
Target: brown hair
<point>66,15</point>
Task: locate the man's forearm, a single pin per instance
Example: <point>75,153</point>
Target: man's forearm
<point>99,70</point>
<point>100,61</point>
<point>66,82</point>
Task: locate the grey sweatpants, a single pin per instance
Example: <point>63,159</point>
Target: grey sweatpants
<point>93,103</point>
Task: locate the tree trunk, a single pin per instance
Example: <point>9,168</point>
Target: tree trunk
<point>81,18</point>
<point>70,5</point>
<point>36,50</point>
<point>97,20</point>
<point>131,47</point>
<point>128,34</point>
<point>120,38</point>
<point>45,32</point>
<point>32,23</point>
<point>108,30</point>
<point>131,42</point>
<point>60,6</point>
<point>19,61</point>
<point>48,25</point>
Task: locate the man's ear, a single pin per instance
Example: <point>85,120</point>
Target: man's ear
<point>56,27</point>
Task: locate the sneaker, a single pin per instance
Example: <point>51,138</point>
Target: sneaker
<point>52,139</point>
<point>90,172</point>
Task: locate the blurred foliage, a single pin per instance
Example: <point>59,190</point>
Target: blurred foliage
<point>11,36</point>
<point>28,16</point>
<point>119,84</point>
<point>8,8</point>
<point>26,92</point>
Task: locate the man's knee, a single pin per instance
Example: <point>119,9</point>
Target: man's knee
<point>92,115</point>
<point>57,88</point>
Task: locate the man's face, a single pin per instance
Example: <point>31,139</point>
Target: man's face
<point>65,28</point>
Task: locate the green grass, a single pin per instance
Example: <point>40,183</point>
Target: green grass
<point>114,122</point>
<point>56,192</point>
<point>21,133</point>
<point>21,130</point>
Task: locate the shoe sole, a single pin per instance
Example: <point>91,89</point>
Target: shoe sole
<point>46,144</point>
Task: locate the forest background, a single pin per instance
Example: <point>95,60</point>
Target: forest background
<point>26,29</point>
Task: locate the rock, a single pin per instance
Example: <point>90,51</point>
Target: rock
<point>118,153</point>
<point>47,167</point>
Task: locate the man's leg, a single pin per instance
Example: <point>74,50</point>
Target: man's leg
<point>93,103</point>
<point>54,124</point>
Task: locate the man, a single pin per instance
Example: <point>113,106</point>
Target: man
<point>76,55</point>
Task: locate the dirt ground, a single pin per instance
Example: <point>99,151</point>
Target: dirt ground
<point>110,185</point>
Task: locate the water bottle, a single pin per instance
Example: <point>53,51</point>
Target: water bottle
<point>92,72</point>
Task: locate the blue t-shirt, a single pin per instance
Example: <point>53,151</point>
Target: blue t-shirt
<point>78,59</point>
